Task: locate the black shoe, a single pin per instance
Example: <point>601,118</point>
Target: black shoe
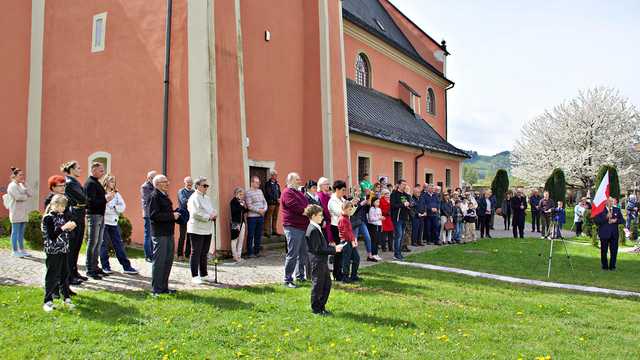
<point>406,249</point>
<point>148,260</point>
<point>605,268</point>
<point>55,296</point>
<point>82,278</point>
<point>489,236</point>
<point>94,276</point>
<point>101,273</point>
<point>612,268</point>
<point>75,281</point>
<point>72,293</point>
<point>325,313</point>
<point>421,244</point>
<point>346,281</point>
<point>170,291</point>
<point>356,278</point>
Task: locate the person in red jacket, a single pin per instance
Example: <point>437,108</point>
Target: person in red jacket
<point>387,224</point>
<point>350,256</point>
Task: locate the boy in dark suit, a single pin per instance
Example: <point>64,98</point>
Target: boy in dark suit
<point>608,221</point>
<point>319,252</point>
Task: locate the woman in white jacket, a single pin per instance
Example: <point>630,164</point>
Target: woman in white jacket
<point>200,227</point>
<point>115,207</point>
<point>17,196</point>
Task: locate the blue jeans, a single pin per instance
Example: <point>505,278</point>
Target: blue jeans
<point>147,245</point>
<point>350,261</point>
<point>297,257</point>
<point>17,236</point>
<point>95,236</point>
<point>254,234</point>
<point>112,235</point>
<point>362,229</point>
<point>457,236</point>
<point>398,232</point>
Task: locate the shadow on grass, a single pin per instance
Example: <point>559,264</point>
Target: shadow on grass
<point>376,320</point>
<point>221,303</point>
<point>108,312</point>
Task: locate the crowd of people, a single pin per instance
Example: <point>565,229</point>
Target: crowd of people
<point>322,221</point>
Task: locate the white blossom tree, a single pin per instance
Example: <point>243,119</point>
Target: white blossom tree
<point>597,127</point>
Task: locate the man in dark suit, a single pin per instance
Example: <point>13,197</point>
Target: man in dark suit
<point>518,208</point>
<point>608,221</point>
<point>163,220</point>
<point>534,201</point>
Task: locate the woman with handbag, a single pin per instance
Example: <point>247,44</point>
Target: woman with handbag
<point>15,200</point>
<point>238,212</point>
<point>446,219</point>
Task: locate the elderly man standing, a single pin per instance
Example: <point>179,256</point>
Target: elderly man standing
<point>97,200</point>
<point>608,221</point>
<point>272,195</point>
<point>295,225</point>
<point>163,220</point>
<point>257,205</point>
<point>145,194</point>
<point>183,197</point>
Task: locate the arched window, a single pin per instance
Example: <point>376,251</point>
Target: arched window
<point>431,101</point>
<point>101,157</point>
<point>363,71</point>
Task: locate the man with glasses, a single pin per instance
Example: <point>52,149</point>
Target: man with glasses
<point>257,205</point>
<point>163,220</point>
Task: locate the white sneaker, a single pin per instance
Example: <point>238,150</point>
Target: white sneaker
<point>196,280</point>
<point>69,304</point>
<point>48,306</point>
<point>25,254</point>
<point>107,271</point>
<point>377,257</point>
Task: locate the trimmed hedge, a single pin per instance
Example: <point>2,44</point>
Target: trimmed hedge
<point>125,229</point>
<point>5,227</point>
<point>33,231</point>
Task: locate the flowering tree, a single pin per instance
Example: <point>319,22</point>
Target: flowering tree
<point>597,127</point>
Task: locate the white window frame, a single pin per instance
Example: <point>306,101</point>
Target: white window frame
<point>101,44</point>
<point>100,154</point>
<point>393,170</point>
<point>370,172</point>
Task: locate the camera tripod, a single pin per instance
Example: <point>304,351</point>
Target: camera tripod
<point>557,229</point>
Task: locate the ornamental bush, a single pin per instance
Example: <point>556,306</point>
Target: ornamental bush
<point>33,232</point>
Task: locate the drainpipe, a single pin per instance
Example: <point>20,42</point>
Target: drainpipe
<point>165,101</point>
<point>446,111</point>
<point>416,166</point>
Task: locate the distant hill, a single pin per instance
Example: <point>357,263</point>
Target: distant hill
<point>488,165</point>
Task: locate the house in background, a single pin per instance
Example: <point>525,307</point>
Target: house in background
<point>321,87</point>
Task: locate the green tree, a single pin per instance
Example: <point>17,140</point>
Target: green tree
<point>614,182</point>
<point>500,185</point>
<point>469,174</point>
<point>559,192</point>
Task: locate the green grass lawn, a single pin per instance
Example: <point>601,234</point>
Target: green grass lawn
<point>519,257</point>
<point>396,313</point>
<point>567,225</point>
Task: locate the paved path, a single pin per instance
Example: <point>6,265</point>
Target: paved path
<point>267,269</point>
<point>515,280</point>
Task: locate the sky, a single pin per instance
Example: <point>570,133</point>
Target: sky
<point>511,60</point>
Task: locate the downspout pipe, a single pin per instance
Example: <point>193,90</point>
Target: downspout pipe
<point>416,167</point>
<point>446,111</point>
<point>165,100</point>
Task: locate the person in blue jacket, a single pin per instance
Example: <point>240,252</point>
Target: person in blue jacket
<point>608,221</point>
<point>430,203</point>
<point>559,218</point>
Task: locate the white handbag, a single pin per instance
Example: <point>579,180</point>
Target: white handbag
<point>7,201</point>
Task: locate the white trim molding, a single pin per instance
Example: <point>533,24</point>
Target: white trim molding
<point>268,164</point>
<point>243,112</point>
<point>346,108</point>
<point>203,138</point>
<point>98,34</point>
<point>34,111</point>
<point>325,90</point>
<point>97,155</point>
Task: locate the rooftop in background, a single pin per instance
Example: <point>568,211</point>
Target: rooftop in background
<point>372,16</point>
<point>375,114</point>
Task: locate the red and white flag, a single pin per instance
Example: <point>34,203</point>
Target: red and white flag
<point>600,200</point>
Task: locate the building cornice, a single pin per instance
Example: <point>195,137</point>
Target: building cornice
<point>364,139</point>
<point>358,33</point>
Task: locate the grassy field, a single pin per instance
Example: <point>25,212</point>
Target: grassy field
<point>520,257</point>
<point>396,313</point>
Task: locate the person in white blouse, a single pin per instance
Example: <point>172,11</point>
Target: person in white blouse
<point>15,200</point>
<point>335,210</point>
<point>115,207</point>
<point>200,227</point>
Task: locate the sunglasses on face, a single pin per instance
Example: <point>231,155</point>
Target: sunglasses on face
<point>206,186</point>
